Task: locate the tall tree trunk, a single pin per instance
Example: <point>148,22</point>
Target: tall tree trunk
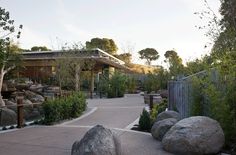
<point>3,71</point>
<point>77,77</point>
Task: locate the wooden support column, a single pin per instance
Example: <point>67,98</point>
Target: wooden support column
<point>20,114</point>
<point>91,84</point>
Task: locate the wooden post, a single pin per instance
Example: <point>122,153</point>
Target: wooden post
<point>151,101</point>
<point>20,111</point>
<point>92,84</point>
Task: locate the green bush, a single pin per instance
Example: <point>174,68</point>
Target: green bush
<point>157,109</point>
<point>117,85</point>
<point>114,86</point>
<point>131,84</point>
<point>76,107</point>
<point>151,83</point>
<point>216,99</point>
<point>64,108</point>
<point>145,121</point>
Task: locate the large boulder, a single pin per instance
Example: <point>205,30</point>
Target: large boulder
<point>168,114</point>
<point>36,88</point>
<point>38,98</point>
<point>30,115</point>
<point>197,135</point>
<point>7,117</point>
<point>29,94</point>
<point>11,105</point>
<point>34,97</point>
<point>27,102</point>
<point>97,141</point>
<point>160,128</point>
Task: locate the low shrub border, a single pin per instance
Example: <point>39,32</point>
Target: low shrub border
<point>64,108</point>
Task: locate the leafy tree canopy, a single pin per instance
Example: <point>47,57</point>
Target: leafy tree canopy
<point>228,11</point>
<point>176,66</point>
<point>149,54</point>
<point>126,57</point>
<point>40,48</point>
<point>171,54</point>
<point>8,57</point>
<point>105,44</point>
<point>225,44</point>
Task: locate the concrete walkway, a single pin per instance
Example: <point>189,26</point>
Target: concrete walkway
<point>116,114</point>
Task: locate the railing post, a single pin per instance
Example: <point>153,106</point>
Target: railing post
<point>20,111</point>
<point>151,101</point>
<point>91,84</point>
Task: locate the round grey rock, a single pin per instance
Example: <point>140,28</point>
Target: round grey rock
<point>7,117</point>
<point>168,114</point>
<point>160,128</point>
<point>197,135</point>
<point>97,141</point>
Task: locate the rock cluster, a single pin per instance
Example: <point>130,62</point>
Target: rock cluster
<point>31,110</point>
<point>194,135</point>
<point>197,135</point>
<point>165,120</point>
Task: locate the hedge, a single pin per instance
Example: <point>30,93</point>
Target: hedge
<point>64,108</point>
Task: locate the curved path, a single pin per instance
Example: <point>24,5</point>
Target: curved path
<point>116,114</point>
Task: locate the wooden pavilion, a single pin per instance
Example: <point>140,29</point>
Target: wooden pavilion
<point>42,64</point>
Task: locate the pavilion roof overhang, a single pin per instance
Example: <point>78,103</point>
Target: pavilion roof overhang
<point>96,54</point>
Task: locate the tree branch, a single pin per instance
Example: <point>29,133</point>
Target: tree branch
<point>2,37</point>
<point>8,69</point>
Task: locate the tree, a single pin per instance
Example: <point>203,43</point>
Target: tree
<point>176,66</point>
<point>214,93</point>
<point>126,57</point>
<point>149,54</point>
<point>8,57</point>
<point>105,44</point>
<point>162,78</point>
<point>70,66</point>
<point>40,48</point>
<point>228,11</point>
<point>198,65</point>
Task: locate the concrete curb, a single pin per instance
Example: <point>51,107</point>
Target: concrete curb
<point>79,118</point>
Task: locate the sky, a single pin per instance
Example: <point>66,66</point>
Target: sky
<point>136,24</point>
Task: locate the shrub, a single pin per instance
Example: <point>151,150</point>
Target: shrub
<point>216,99</point>
<point>51,111</point>
<point>131,84</point>
<point>64,108</point>
<point>76,107</point>
<point>114,86</point>
<point>150,83</point>
<point>145,121</point>
<point>154,113</point>
<point>158,108</point>
<point>117,85</point>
